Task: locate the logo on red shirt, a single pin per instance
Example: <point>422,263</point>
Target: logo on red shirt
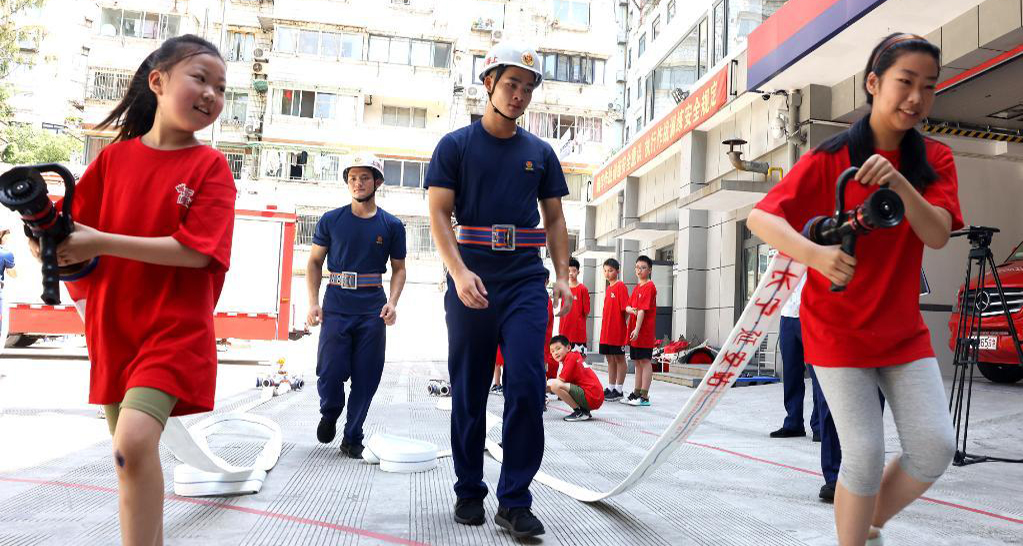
<point>185,195</point>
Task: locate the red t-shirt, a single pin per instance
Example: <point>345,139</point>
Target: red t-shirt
<point>151,325</point>
<point>614,324</point>
<point>644,298</point>
<point>574,370</point>
<point>573,325</point>
<point>876,321</point>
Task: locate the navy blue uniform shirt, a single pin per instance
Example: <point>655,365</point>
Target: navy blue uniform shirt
<point>362,245</point>
<point>497,181</point>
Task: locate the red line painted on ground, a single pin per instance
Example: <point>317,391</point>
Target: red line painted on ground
<point>253,511</point>
<point>810,472</point>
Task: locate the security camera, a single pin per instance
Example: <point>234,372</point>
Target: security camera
<point>778,125</point>
<point>766,96</point>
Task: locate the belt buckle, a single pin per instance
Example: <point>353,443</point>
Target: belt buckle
<point>502,237</point>
<point>349,280</point>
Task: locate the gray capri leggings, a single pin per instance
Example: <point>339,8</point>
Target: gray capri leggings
<point>916,396</point>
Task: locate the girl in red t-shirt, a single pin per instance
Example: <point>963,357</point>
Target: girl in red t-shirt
<point>872,335</point>
<point>158,206</point>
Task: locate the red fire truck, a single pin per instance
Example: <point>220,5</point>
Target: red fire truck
<point>255,304</point>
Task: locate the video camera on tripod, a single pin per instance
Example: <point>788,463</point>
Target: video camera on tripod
<point>883,209</point>
<point>23,190</point>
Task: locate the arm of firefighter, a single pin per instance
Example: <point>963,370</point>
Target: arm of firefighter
<point>313,277</point>
<point>557,243</point>
<point>398,275</point>
<point>470,287</point>
<point>86,243</point>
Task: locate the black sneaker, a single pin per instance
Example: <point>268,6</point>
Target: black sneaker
<point>607,393</point>
<point>470,512</point>
<point>352,450</point>
<point>827,492</point>
<point>326,430</point>
<point>578,415</point>
<point>520,522</point>
<point>614,396</point>
<point>788,433</point>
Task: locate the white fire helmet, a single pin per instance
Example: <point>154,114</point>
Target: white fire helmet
<point>512,54</point>
<point>366,160</point>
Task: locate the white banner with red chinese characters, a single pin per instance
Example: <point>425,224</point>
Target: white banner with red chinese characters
<point>760,316</point>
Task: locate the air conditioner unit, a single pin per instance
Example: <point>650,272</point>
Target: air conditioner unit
<point>259,54</point>
<point>497,35</point>
<point>620,76</point>
<point>258,68</point>
<point>622,37</point>
<point>474,92</point>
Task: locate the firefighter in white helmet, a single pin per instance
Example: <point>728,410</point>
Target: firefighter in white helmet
<point>491,175</point>
<point>356,241</point>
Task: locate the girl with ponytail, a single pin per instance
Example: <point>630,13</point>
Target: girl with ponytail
<point>872,335</point>
<point>159,207</point>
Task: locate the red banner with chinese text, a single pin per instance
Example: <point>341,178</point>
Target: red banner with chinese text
<point>688,115</point>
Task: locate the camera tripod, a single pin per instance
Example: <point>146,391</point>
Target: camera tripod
<point>974,301</point>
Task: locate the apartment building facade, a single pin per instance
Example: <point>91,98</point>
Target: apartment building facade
<point>312,81</point>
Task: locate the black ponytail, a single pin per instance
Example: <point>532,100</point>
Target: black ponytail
<point>860,139</point>
<point>135,113</point>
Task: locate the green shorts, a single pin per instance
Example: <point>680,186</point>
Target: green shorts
<point>150,401</point>
<point>579,395</point>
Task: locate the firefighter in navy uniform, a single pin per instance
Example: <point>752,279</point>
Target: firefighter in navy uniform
<point>491,175</point>
<point>357,241</point>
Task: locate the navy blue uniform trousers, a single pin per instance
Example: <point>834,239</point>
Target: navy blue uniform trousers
<point>351,347</point>
<point>790,339</point>
<point>516,319</point>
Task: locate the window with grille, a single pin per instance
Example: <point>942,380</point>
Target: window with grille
<point>108,85</point>
<point>301,165</point>
<point>418,241</point>
<point>235,161</point>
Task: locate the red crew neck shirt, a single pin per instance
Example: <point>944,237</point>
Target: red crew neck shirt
<point>151,325</point>
<point>876,321</point>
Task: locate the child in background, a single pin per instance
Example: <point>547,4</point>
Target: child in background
<point>576,385</point>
